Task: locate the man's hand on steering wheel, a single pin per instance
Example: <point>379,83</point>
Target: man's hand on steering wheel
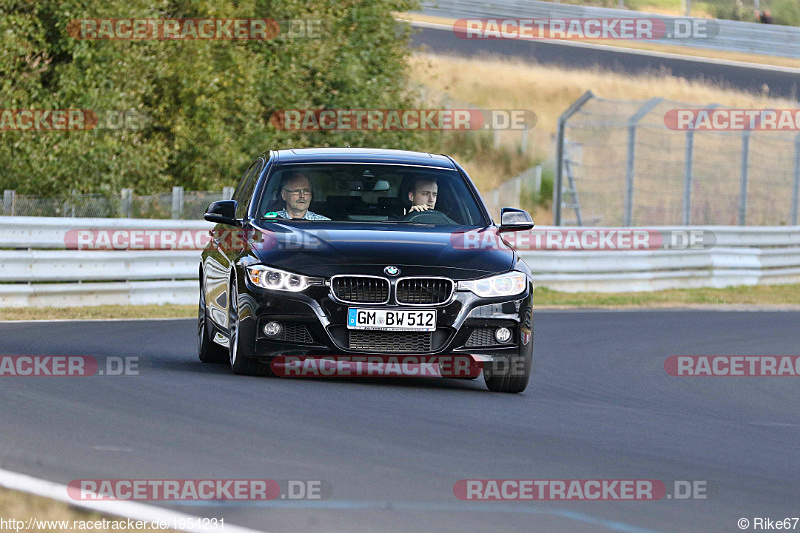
<point>419,207</point>
<point>427,216</point>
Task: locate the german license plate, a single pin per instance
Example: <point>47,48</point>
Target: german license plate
<point>391,319</point>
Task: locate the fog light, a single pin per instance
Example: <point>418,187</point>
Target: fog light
<point>502,334</point>
<point>273,329</point>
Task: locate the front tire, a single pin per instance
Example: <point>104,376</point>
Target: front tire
<point>208,351</point>
<point>510,376</point>
<point>241,365</point>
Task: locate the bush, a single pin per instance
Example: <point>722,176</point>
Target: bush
<point>207,103</point>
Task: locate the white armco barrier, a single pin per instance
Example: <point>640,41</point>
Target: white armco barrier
<point>37,269</point>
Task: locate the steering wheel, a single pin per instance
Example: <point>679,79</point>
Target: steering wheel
<point>430,216</point>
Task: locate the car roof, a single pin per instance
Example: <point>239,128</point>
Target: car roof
<point>362,155</point>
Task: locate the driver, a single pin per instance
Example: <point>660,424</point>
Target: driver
<point>423,195</point>
<point>296,192</point>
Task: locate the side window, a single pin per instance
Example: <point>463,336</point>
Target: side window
<point>244,191</point>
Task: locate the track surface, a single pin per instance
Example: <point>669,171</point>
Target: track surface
<point>780,82</point>
<point>599,406</point>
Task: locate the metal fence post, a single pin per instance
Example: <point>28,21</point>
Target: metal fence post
<point>796,186</point>
<point>227,193</point>
<point>687,179</point>
<point>743,184</point>
<point>523,146</point>
<point>559,178</point>
<point>631,159</point>
<point>177,202</point>
<point>126,203</point>
<point>9,196</point>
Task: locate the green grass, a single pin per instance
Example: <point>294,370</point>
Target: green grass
<point>742,295</point>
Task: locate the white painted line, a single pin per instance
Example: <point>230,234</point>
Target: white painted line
<point>634,51</point>
<point>126,509</point>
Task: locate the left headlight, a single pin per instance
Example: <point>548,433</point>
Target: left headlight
<point>508,284</point>
<point>279,280</point>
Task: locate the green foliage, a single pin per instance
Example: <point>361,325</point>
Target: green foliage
<point>731,10</point>
<point>207,102</point>
<point>546,193</point>
<point>786,12</point>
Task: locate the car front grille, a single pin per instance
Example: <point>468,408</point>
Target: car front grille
<point>391,341</point>
<point>360,289</point>
<point>424,290</point>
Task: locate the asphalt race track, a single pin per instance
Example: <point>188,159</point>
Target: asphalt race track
<point>600,406</point>
<point>782,82</point>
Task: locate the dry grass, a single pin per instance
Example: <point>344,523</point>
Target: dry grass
<point>650,46</point>
<point>23,506</point>
<point>550,90</point>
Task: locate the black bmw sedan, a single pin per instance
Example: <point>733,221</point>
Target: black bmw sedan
<point>348,251</point>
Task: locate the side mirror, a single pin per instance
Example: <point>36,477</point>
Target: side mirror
<point>513,219</point>
<point>222,212</point>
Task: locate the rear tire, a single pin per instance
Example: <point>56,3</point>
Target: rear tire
<point>241,365</point>
<point>208,351</point>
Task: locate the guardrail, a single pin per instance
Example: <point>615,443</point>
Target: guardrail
<point>37,270</point>
<point>733,36</point>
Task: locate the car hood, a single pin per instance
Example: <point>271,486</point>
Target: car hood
<point>326,249</point>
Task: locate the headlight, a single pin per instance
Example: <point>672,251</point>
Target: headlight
<point>279,280</point>
<point>508,284</point>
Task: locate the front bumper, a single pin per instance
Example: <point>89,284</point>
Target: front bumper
<point>316,324</point>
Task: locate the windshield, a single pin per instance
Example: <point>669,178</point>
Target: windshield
<point>370,193</point>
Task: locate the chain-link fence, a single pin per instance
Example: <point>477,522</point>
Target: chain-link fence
<point>520,191</point>
<point>179,204</point>
<point>631,163</point>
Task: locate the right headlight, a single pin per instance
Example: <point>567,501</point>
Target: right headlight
<point>508,284</point>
